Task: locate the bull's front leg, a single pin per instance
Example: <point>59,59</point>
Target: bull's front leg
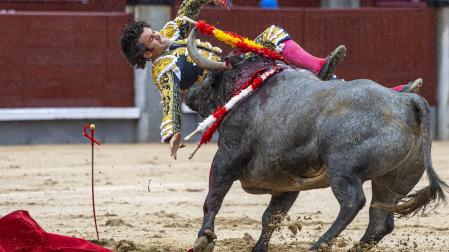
<point>220,181</point>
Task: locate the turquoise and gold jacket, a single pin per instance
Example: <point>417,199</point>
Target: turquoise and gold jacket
<point>174,72</point>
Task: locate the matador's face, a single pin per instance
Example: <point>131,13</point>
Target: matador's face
<point>154,41</point>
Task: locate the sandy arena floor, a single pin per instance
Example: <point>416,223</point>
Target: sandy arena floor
<point>53,184</point>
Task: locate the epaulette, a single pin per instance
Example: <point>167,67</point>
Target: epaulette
<point>171,30</point>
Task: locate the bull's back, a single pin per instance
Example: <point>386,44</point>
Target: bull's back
<point>290,101</point>
<point>370,126</point>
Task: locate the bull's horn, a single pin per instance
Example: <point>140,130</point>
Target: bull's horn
<point>201,61</point>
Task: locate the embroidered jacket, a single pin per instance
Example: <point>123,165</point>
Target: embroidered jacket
<point>174,71</point>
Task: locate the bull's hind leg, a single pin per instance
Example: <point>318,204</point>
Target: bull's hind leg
<point>273,215</point>
<point>381,222</point>
<point>347,188</point>
<point>221,178</point>
<point>388,190</point>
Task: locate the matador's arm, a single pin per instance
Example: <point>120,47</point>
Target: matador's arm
<point>167,75</point>
<point>178,28</point>
<point>191,8</point>
<point>169,87</point>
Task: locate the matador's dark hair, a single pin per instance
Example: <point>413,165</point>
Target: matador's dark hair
<point>131,47</point>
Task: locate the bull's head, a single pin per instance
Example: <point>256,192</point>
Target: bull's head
<point>205,97</point>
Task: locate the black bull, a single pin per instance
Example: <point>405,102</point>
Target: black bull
<point>298,133</point>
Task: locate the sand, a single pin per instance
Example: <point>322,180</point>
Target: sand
<point>147,202</point>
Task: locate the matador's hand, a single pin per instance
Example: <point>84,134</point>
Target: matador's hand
<point>175,143</point>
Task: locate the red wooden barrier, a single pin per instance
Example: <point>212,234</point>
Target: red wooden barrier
<point>63,59</point>
<point>316,3</point>
<point>390,46</point>
<point>64,5</point>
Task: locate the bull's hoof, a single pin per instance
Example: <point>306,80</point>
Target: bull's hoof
<point>321,247</point>
<point>205,243</point>
<point>355,249</point>
<point>362,247</point>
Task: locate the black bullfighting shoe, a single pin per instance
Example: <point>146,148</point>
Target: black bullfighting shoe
<point>413,87</point>
<point>337,56</point>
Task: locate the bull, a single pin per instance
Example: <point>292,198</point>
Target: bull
<point>298,133</point>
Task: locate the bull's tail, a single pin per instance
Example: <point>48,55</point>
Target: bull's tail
<point>435,192</point>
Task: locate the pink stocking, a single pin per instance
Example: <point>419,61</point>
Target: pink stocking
<point>398,88</point>
<point>296,55</point>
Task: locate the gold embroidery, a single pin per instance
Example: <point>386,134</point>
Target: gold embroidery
<point>180,22</point>
<point>166,85</point>
<point>205,53</point>
<point>172,29</point>
<point>202,76</point>
<point>215,58</point>
<point>191,8</point>
<point>273,37</point>
<point>162,65</point>
<point>169,31</point>
<point>171,108</point>
<point>179,51</point>
<point>190,60</point>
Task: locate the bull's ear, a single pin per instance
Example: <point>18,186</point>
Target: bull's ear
<point>214,79</point>
<point>235,58</point>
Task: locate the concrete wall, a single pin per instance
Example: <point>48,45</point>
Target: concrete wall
<point>443,73</point>
<point>65,131</point>
<point>335,4</point>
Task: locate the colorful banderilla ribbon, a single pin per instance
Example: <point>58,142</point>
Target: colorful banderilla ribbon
<point>235,40</point>
<point>93,141</point>
<point>211,123</point>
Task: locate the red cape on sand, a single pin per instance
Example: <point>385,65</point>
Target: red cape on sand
<point>20,233</point>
